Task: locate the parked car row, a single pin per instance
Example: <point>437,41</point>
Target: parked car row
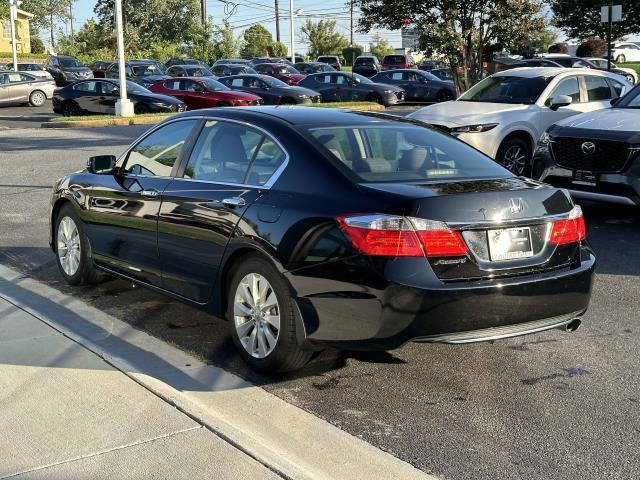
<point>577,129</point>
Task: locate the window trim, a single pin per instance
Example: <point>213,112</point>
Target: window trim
<point>183,159</point>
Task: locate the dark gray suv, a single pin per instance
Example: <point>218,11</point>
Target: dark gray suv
<point>65,69</point>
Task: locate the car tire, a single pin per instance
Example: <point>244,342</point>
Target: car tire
<point>621,59</point>
<point>630,78</point>
<point>374,97</point>
<point>70,109</point>
<point>260,313</point>
<point>141,109</point>
<point>515,155</point>
<point>37,98</point>
<point>444,96</point>
<point>72,249</point>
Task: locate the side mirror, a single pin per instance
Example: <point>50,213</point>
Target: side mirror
<point>101,164</point>
<point>560,101</point>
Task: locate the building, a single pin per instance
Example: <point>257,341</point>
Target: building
<point>23,37</point>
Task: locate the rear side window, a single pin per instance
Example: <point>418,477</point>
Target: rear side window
<point>597,88</point>
<point>157,153</point>
<point>617,87</point>
<point>89,87</point>
<point>403,153</point>
<point>230,153</point>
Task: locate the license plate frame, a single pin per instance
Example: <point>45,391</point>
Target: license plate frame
<point>512,243</point>
<point>585,178</point>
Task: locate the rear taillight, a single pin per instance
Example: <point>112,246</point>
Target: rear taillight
<point>569,230</point>
<point>396,236</point>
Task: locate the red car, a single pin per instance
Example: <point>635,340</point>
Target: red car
<point>203,92</point>
<point>398,61</point>
<point>281,71</point>
<point>99,68</point>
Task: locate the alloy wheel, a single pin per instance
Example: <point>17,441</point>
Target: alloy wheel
<point>37,99</point>
<point>68,246</point>
<point>515,159</point>
<point>256,314</point>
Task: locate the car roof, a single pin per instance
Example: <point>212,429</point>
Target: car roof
<point>297,116</point>
<point>531,72</point>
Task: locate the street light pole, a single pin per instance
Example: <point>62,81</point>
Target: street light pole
<point>609,37</point>
<point>124,107</point>
<point>13,17</point>
<point>292,17</point>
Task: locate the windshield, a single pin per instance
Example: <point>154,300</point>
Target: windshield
<point>507,89</point>
<point>198,72</point>
<point>631,99</point>
<point>403,153</point>
<point>285,69</point>
<point>133,87</point>
<point>70,63</point>
<point>273,82</point>
<point>150,69</point>
<point>359,78</point>
<point>328,59</point>
<point>429,76</point>
<point>214,84</point>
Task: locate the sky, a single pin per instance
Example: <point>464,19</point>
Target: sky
<point>247,12</point>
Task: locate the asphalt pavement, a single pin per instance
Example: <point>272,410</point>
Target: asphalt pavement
<point>25,116</point>
<point>554,405</point>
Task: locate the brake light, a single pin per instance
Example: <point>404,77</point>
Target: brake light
<point>570,230</point>
<point>396,236</point>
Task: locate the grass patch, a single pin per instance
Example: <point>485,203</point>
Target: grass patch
<point>82,118</point>
<point>635,66</point>
<point>346,68</point>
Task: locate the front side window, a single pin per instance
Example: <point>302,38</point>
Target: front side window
<point>597,89</point>
<point>568,86</point>
<point>403,153</point>
<point>230,153</point>
<point>157,153</point>
<point>507,89</point>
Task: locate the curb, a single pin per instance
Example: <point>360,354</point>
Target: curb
<point>286,439</point>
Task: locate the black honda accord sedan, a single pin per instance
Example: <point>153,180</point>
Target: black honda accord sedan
<point>312,227</point>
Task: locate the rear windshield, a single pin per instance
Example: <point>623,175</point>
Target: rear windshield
<point>364,61</point>
<point>403,153</point>
<point>328,59</point>
<point>393,59</point>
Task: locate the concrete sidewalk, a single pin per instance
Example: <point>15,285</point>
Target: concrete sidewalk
<point>66,413</point>
<point>84,395</point>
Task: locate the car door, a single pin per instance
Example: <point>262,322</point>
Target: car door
<point>198,96</point>
<point>598,91</point>
<point>87,96</point>
<point>108,96</point>
<point>569,86</point>
<point>20,86</point>
<point>228,168</point>
<point>121,213</point>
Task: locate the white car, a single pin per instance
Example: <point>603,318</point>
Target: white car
<point>629,73</point>
<point>32,69</point>
<point>625,52</point>
<point>505,114</point>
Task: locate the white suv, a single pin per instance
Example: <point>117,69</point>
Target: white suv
<point>625,52</point>
<point>505,114</point>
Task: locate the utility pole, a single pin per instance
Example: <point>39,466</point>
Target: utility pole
<point>13,17</point>
<point>124,106</point>
<point>203,11</point>
<point>351,8</point>
<point>71,18</point>
<point>609,28</point>
<point>277,21</point>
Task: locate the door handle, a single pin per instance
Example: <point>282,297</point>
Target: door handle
<point>149,193</point>
<point>234,202</point>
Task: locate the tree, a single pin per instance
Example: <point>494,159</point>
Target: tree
<point>257,42</point>
<point>322,38</point>
<point>581,18</point>
<point>559,48</point>
<point>225,44</point>
<point>351,53</point>
<point>592,47</point>
<point>379,46</point>
<point>47,14</point>
<point>36,45</point>
<point>463,31</point>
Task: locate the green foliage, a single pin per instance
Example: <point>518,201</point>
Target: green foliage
<point>37,46</point>
<point>581,18</point>
<point>23,56</point>
<point>351,53</point>
<point>278,49</point>
<point>379,46</point>
<point>225,44</point>
<point>258,42</point>
<point>47,15</point>
<point>322,37</point>
<point>592,47</point>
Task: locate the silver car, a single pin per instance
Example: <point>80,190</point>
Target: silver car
<point>19,87</point>
<point>32,69</point>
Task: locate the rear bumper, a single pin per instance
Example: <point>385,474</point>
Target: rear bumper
<point>455,312</point>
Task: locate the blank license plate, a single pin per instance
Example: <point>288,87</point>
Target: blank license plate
<point>510,243</point>
<point>589,179</point>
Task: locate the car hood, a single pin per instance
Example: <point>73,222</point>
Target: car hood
<point>76,69</point>
<point>457,113</point>
<point>618,119</point>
